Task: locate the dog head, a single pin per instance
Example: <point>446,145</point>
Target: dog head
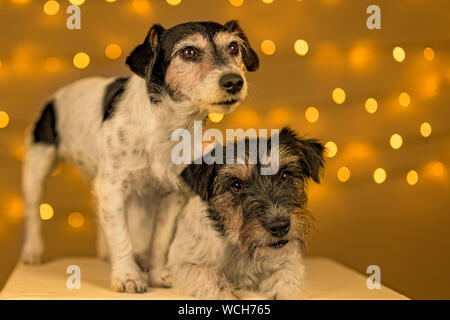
<point>201,63</point>
<point>261,213</point>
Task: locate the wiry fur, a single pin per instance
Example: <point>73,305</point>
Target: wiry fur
<point>118,131</point>
<point>229,239</point>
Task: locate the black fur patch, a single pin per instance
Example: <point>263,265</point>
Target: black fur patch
<point>217,221</point>
<point>311,151</point>
<point>112,95</point>
<point>45,128</point>
<point>200,178</point>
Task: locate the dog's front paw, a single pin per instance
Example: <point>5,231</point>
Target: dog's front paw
<point>274,289</point>
<point>159,278</point>
<point>283,294</point>
<point>227,294</point>
<point>32,252</point>
<point>128,283</point>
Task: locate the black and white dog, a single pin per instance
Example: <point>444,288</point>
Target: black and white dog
<point>244,230</point>
<point>118,130</point>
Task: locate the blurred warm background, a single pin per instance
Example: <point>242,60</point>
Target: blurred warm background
<point>379,98</point>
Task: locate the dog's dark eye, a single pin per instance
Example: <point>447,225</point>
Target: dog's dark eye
<point>236,186</point>
<point>233,48</point>
<point>285,177</point>
<point>189,52</point>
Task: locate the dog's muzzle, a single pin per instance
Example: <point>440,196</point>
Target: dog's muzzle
<point>279,244</point>
<point>279,227</point>
<point>232,83</point>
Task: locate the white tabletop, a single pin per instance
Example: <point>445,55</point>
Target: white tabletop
<point>326,279</point>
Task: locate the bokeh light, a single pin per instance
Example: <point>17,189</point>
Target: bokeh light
<point>52,64</point>
<point>113,51</point>
<point>77,2</point>
<point>301,47</point>
<point>268,47</point>
<point>399,54</point>
<point>245,117</point>
<point>46,211</point>
<point>379,175</point>
<point>280,116</point>
<point>4,119</point>
<point>404,99</point>
<point>371,105</point>
<point>362,56</point>
<point>312,114</point>
<point>173,2</point>
<point>215,117</point>
<point>343,174</point>
<point>140,6</point>
<point>23,59</point>
<point>267,1</point>
<point>412,177</point>
<point>81,60</point>
<point>331,149</point>
<point>435,169</point>
<point>51,7</point>
<point>75,220</point>
<point>428,54</point>
<point>20,1</point>
<point>14,207</point>
<point>236,3</point>
<point>338,95</point>
<point>396,141</point>
<point>429,85</point>
<point>358,151</point>
<point>425,129</point>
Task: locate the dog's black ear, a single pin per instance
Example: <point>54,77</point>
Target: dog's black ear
<point>200,178</point>
<point>310,151</point>
<point>249,55</point>
<point>143,57</point>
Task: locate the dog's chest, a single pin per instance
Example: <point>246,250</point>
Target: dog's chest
<point>244,271</point>
<point>149,170</point>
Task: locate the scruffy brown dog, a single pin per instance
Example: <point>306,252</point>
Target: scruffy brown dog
<point>244,230</point>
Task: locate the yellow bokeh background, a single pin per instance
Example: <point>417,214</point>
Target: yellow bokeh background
<point>383,198</point>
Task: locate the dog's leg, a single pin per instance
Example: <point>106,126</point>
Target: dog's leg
<point>286,283</point>
<point>100,241</point>
<point>38,162</point>
<point>202,282</point>
<point>125,274</point>
<point>140,223</point>
<point>166,218</point>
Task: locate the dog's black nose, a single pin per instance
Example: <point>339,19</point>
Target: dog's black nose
<point>231,82</point>
<point>279,228</point>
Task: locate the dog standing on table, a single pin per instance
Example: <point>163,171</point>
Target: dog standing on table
<point>244,230</point>
<point>118,130</point>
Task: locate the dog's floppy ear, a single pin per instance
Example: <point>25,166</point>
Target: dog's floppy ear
<point>310,151</point>
<point>249,55</point>
<point>200,178</point>
<point>143,57</point>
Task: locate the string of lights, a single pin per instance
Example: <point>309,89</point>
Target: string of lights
<point>412,172</point>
